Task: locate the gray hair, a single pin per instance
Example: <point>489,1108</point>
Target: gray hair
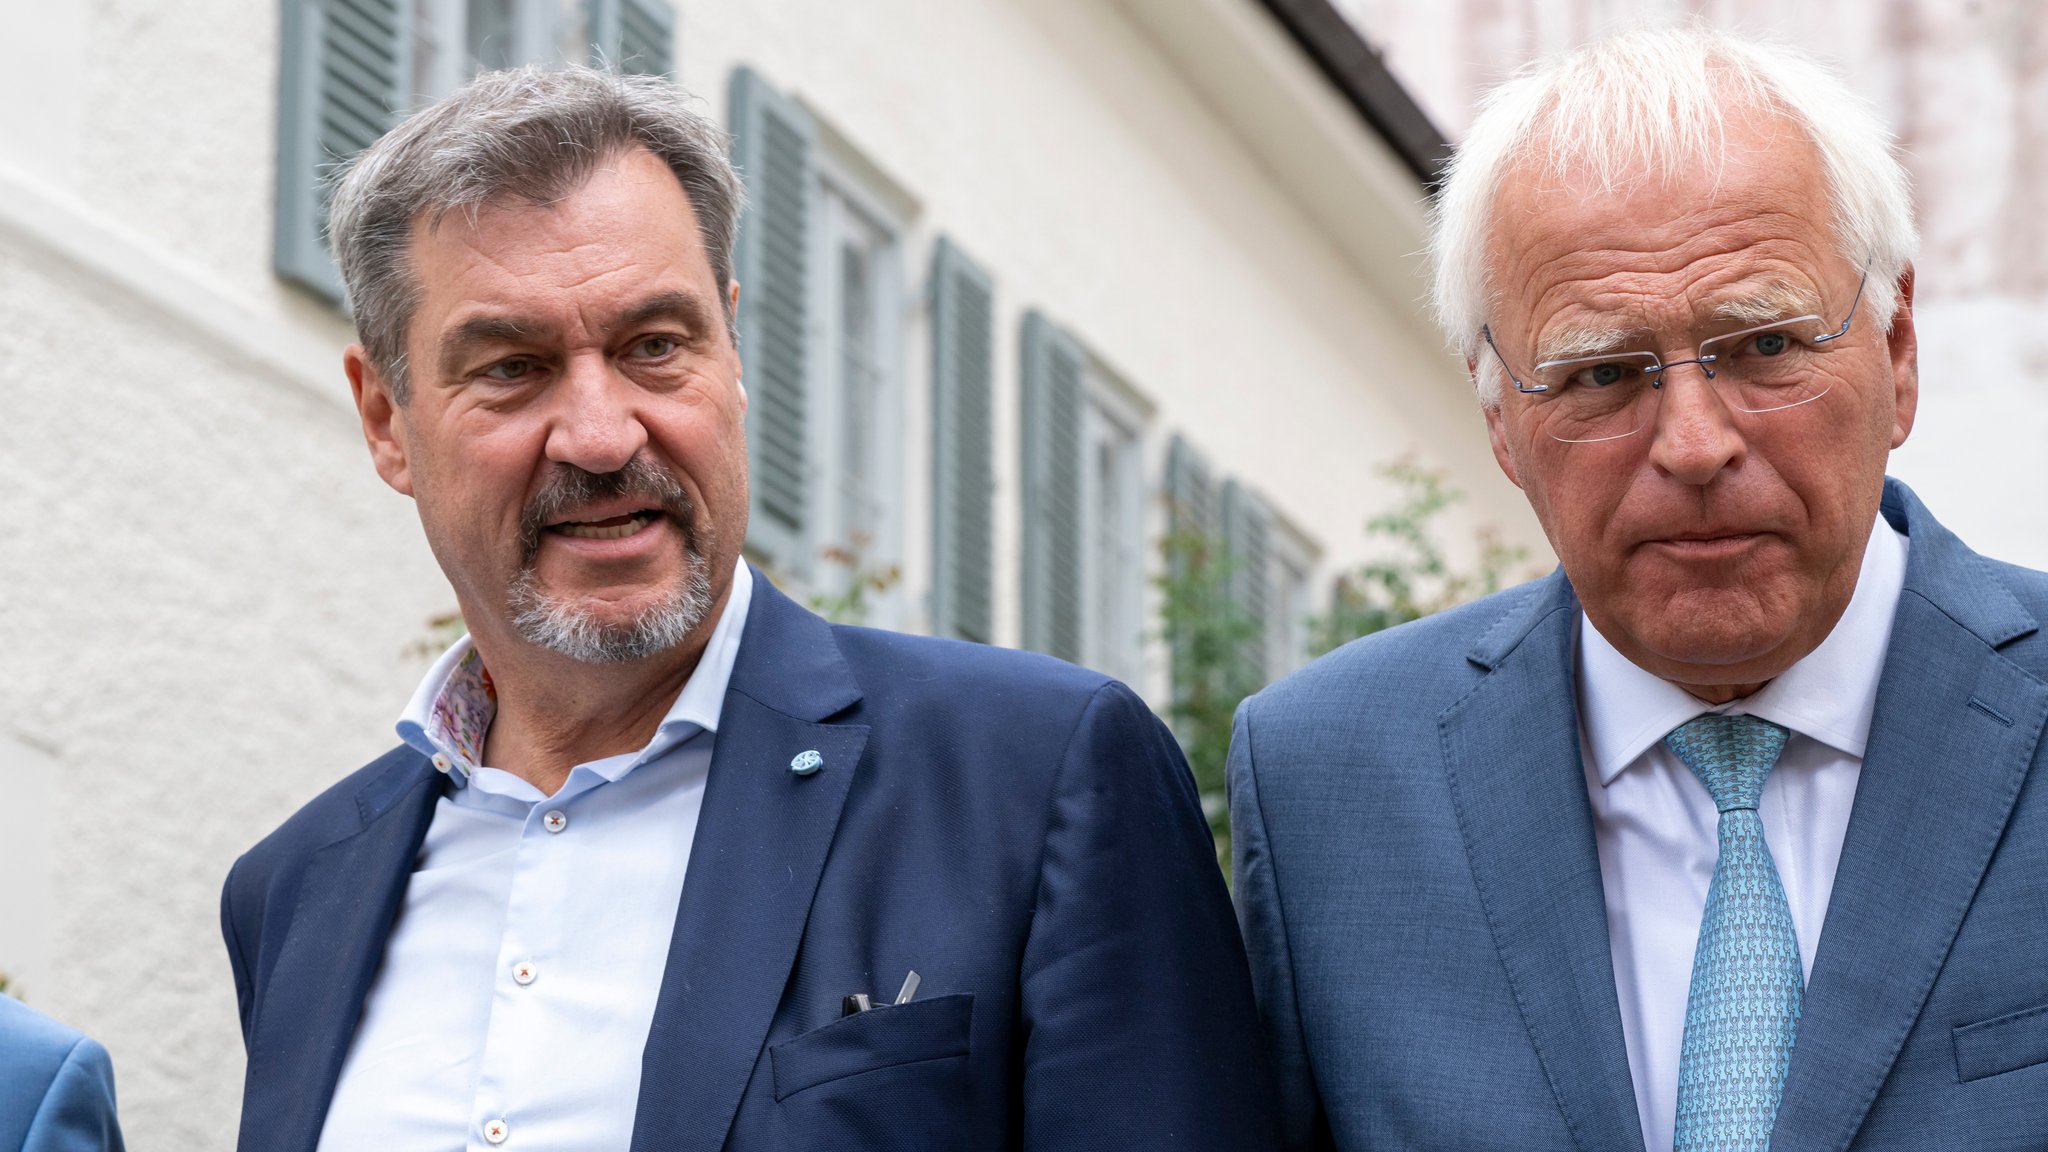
<point>1653,104</point>
<point>527,133</point>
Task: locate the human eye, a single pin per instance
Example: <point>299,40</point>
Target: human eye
<point>1782,343</point>
<point>654,347</point>
<point>1773,343</point>
<point>1602,375</point>
<point>513,370</point>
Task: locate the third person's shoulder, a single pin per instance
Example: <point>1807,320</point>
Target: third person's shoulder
<point>1392,684</point>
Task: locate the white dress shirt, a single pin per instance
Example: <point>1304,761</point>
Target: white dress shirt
<point>519,982</point>
<point>1657,828</point>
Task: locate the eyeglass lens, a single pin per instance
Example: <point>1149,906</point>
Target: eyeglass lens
<point>1763,369</point>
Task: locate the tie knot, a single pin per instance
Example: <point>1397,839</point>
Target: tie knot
<point>1730,754</point>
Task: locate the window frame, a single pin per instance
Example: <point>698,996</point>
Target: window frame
<point>1109,402</point>
<point>1291,560</point>
<point>839,173</point>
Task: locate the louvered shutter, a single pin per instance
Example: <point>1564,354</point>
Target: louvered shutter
<point>1052,366</point>
<point>1190,493</point>
<point>772,147</point>
<point>963,444</point>
<point>636,37</point>
<point>647,35</point>
<point>1192,521</point>
<point>341,81</point>
<point>1246,543</point>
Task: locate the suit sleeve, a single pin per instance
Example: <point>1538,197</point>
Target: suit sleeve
<point>1139,1025</point>
<point>77,1113</point>
<point>238,962</point>
<point>1302,1123</point>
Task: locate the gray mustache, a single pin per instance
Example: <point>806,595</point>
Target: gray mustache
<point>571,488</point>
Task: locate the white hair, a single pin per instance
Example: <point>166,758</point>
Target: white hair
<point>1654,103</point>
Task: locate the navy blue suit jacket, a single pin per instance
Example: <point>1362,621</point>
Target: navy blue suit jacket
<point>1421,892</point>
<point>1022,833</point>
<point>56,1086</point>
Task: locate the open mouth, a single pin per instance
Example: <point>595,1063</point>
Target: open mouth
<point>610,528</point>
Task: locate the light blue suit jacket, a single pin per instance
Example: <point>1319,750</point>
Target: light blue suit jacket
<point>1420,891</point>
<point>56,1086</point>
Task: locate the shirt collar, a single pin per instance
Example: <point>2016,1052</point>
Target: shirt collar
<point>1828,695</point>
<point>452,709</point>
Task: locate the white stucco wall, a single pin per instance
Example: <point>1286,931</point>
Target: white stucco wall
<point>207,599</point>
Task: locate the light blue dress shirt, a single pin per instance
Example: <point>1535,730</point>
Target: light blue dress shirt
<point>519,981</point>
<point>1656,827</point>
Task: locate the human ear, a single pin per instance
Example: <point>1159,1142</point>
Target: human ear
<point>1904,345</point>
<point>383,418</point>
<point>1498,437</point>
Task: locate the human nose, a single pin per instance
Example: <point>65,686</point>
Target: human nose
<point>1694,436</point>
<point>595,426</point>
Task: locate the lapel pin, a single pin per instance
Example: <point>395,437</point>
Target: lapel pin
<point>807,762</point>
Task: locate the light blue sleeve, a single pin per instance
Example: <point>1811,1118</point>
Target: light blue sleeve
<point>77,1113</point>
<point>1259,913</point>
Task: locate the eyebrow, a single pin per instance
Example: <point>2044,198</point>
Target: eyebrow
<point>1579,340</point>
<point>686,308</point>
<point>478,332</point>
<point>1772,302</point>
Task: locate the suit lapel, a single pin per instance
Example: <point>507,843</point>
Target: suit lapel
<point>760,848</point>
<point>1511,749</point>
<point>1955,728</point>
<point>348,897</point>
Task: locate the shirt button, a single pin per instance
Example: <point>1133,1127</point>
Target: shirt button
<point>555,821</point>
<point>496,1131</point>
<point>524,972</point>
<point>442,762</point>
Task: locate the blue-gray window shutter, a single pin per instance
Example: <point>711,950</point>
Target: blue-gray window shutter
<point>772,147</point>
<point>963,444</point>
<point>1190,493</point>
<point>636,37</point>
<point>1192,520</point>
<point>1246,530</point>
<point>1051,392</point>
<point>341,79</point>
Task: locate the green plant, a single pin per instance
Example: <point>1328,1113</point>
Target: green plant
<point>1213,639</point>
<point>443,630</point>
<point>1209,633</point>
<point>857,586</point>
<point>1413,578</point>
<point>7,987</point>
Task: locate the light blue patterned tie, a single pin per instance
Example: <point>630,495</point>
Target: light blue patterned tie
<point>1742,1013</point>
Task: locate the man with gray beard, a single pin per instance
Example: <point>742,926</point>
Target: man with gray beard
<point>664,862</point>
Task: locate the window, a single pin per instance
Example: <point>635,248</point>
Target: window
<point>350,69</point>
<point>822,316</point>
<point>1084,554</point>
<point>856,392</point>
<point>1289,602</point>
<point>453,40</point>
<point>1112,531</point>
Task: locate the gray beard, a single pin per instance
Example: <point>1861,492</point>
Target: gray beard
<point>570,630</point>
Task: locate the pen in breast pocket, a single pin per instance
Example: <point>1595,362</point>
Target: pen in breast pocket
<point>861,1002</point>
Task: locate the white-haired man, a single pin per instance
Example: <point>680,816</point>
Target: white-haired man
<point>1733,833</point>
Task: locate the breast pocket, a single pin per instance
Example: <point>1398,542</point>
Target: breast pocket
<point>2006,1044</point>
<point>891,1077</point>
